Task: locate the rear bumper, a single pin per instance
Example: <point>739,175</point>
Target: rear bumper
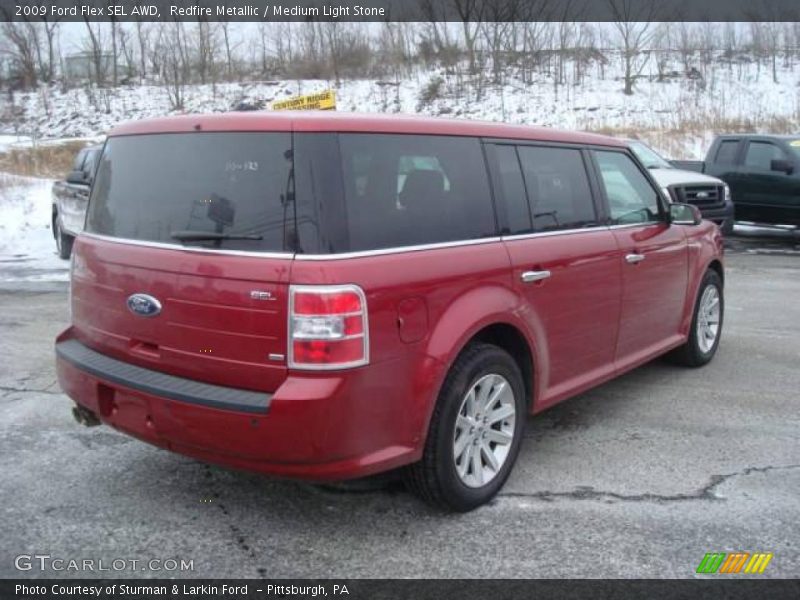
<point>318,427</point>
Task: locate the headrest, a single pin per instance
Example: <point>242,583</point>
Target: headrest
<point>422,186</point>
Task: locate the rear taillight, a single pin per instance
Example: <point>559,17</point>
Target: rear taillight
<point>327,327</point>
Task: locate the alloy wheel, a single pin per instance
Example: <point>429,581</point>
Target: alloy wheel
<point>484,430</point>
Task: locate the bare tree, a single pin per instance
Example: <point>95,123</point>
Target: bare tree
<point>635,26</point>
<point>143,39</point>
<point>173,73</point>
<point>95,47</point>
<point>687,44</point>
<point>21,46</point>
<point>230,47</point>
<point>470,13</point>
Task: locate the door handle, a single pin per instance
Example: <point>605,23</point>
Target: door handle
<point>531,276</point>
<point>634,258</point>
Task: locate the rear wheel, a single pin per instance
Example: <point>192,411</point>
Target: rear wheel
<point>64,241</point>
<point>475,432</point>
<point>706,328</point>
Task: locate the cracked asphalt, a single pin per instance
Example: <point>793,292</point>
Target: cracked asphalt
<point>638,478</point>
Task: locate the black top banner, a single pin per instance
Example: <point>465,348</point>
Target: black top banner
<point>400,10</point>
<point>391,589</point>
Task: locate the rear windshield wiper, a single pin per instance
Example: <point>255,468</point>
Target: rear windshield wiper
<point>199,236</point>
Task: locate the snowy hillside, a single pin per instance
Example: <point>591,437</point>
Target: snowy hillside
<point>678,115</point>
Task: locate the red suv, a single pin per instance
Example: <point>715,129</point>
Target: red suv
<point>330,296</point>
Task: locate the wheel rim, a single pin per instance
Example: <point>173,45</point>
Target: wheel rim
<point>708,319</point>
<point>484,430</point>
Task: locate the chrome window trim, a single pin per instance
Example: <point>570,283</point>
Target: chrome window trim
<point>177,248</point>
<point>366,253</point>
<point>629,225</point>
<point>535,234</point>
<point>398,249</point>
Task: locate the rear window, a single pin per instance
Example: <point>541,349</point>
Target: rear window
<point>319,193</point>
<point>155,187</point>
<point>726,154</point>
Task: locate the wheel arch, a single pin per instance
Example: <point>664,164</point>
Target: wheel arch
<point>716,265</point>
<point>512,340</point>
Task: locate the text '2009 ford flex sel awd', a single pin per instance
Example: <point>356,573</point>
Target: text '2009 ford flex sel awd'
<point>331,296</point>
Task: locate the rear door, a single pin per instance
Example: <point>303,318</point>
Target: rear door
<point>198,223</point>
<point>767,195</point>
<point>564,263</point>
<point>654,259</point>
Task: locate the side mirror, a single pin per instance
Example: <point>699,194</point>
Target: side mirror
<point>684,214</point>
<point>76,177</point>
<point>781,165</point>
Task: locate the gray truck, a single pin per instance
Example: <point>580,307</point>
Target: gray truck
<point>762,171</point>
<point>70,198</point>
<point>710,194</point>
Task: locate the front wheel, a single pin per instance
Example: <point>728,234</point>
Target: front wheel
<point>64,241</point>
<point>475,432</point>
<point>706,328</point>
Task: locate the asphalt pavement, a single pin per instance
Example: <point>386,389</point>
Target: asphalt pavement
<point>638,478</point>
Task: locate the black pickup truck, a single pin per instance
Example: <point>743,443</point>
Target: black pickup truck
<point>70,198</point>
<point>762,171</point>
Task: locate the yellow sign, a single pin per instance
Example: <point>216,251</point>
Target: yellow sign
<point>320,101</point>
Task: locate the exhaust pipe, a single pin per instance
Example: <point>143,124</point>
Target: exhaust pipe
<point>84,416</point>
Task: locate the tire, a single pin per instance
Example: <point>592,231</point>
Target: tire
<point>435,478</point>
<point>697,351</point>
<point>64,241</point>
<point>726,228</point>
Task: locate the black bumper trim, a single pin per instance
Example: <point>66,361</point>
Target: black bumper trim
<point>161,384</point>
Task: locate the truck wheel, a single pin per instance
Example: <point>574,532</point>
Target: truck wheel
<point>64,241</point>
<point>475,431</point>
<point>727,227</point>
<point>706,328</point>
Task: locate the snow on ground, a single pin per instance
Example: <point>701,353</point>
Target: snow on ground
<point>27,248</point>
<point>732,95</point>
<point>9,141</point>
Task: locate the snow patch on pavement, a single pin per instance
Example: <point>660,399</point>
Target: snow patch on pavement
<point>27,247</point>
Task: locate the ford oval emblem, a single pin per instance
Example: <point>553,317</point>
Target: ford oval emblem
<point>143,305</point>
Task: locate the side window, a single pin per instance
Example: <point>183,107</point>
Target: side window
<point>90,163</point>
<point>405,190</point>
<point>760,155</point>
<point>726,153</point>
<point>631,198</point>
<point>77,164</point>
<point>512,191</point>
<point>558,188</point>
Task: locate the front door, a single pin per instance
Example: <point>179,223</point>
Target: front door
<point>653,259</point>
<point>767,195</point>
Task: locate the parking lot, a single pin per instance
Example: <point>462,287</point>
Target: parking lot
<point>638,478</point>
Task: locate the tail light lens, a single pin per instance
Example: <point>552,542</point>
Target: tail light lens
<point>327,327</point>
